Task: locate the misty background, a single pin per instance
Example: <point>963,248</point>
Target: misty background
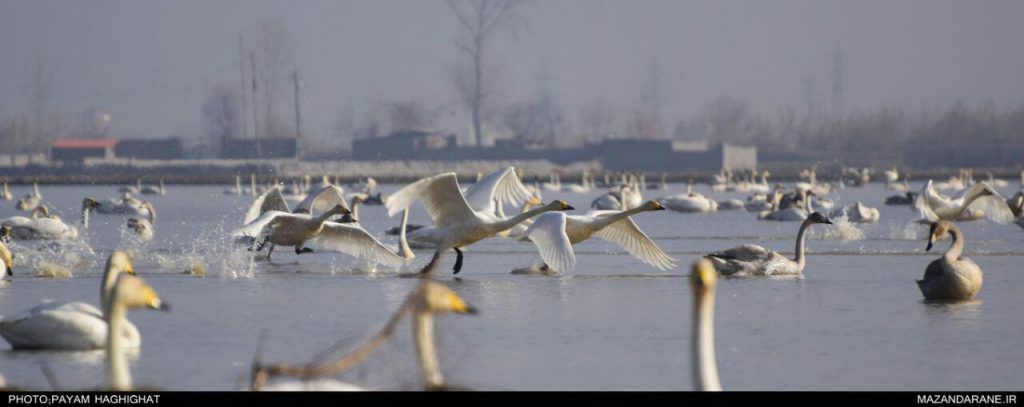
<point>832,76</point>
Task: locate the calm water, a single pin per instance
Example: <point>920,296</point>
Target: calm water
<point>855,321</point>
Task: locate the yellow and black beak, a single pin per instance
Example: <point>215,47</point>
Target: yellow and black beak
<point>931,236</point>
<point>10,272</point>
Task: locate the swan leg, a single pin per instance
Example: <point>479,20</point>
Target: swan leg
<point>458,260</point>
<point>270,251</point>
<point>299,250</point>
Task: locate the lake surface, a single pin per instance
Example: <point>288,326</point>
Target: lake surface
<point>855,321</point>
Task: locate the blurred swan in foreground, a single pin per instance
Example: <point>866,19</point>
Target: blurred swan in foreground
<point>951,277</point>
<point>427,299</point>
<point>72,325</point>
<point>751,260</point>
<point>457,222</point>
<point>614,226</point>
<point>980,200</point>
<point>703,279</point>
<point>128,292</point>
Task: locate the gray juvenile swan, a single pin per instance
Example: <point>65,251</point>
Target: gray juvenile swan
<point>951,277</point>
<point>754,260</point>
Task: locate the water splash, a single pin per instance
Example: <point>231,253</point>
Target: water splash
<point>842,229</point>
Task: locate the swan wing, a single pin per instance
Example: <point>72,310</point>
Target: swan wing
<point>254,228</point>
<point>56,326</point>
<point>271,200</point>
<point>440,195</point>
<point>499,186</point>
<point>548,233</point>
<point>995,208</point>
<point>747,253</point>
<point>923,203</point>
<point>323,200</point>
<point>625,233</point>
<point>355,241</point>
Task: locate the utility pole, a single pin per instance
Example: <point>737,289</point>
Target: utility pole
<point>298,116</point>
<point>255,121</point>
<point>241,75</point>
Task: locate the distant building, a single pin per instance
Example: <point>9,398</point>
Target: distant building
<point>268,148</point>
<point>153,149</point>
<point>615,154</point>
<point>74,151</point>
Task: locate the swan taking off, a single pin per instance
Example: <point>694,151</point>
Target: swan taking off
<point>614,226</point>
<point>72,325</point>
<point>857,213</point>
<point>980,200</point>
<point>951,277</point>
<point>268,221</point>
<point>754,260</point>
<point>458,222</point>
<point>703,280</point>
<point>143,228</point>
<point>44,226</point>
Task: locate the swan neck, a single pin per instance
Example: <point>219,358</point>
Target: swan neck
<point>152,213</point>
<point>705,369</point>
<point>800,237</point>
<point>423,330</point>
<point>118,376</point>
<point>85,216</point>
<point>515,220</point>
<point>957,248</point>
<point>403,241</point>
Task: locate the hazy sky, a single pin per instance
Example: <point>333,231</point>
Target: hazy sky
<point>151,63</point>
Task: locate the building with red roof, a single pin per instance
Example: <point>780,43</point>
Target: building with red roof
<point>76,150</point>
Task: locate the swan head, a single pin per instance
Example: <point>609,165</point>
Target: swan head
<point>560,205</point>
<point>703,276</point>
<point>5,234</point>
<point>438,298</point>
<point>133,292</point>
<point>817,217</point>
<point>939,231</point>
<point>90,203</point>
<point>654,206</point>
<point>120,262</point>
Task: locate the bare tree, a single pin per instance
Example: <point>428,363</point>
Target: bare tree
<point>40,90</point>
<point>221,116</point>
<point>597,120</point>
<point>271,53</point>
<point>478,20</point>
<point>410,115</point>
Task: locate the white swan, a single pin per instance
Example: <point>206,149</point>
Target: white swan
<point>614,226</point>
<point>143,227</point>
<point>703,280</point>
<point>457,222</point>
<point>981,198</point>
<point>429,298</point>
<point>5,193</point>
<point>857,213</point>
<point>689,201</point>
<point>44,226</point>
<point>73,325</point>
<point>794,208</point>
<point>237,190</point>
<point>749,259</point>
<point>583,187</point>
<point>31,200</point>
<point>128,292</point>
<point>952,277</point>
<point>554,183</point>
<point>132,189</point>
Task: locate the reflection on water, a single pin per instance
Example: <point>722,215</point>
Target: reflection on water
<point>853,321</point>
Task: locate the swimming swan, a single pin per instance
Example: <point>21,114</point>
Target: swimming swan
<point>703,280</point>
<point>457,221</point>
<point>689,201</point>
<point>5,193</point>
<point>125,205</point>
<point>752,260</point>
<point>31,200</point>
<point>73,325</point>
<point>951,277</point>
